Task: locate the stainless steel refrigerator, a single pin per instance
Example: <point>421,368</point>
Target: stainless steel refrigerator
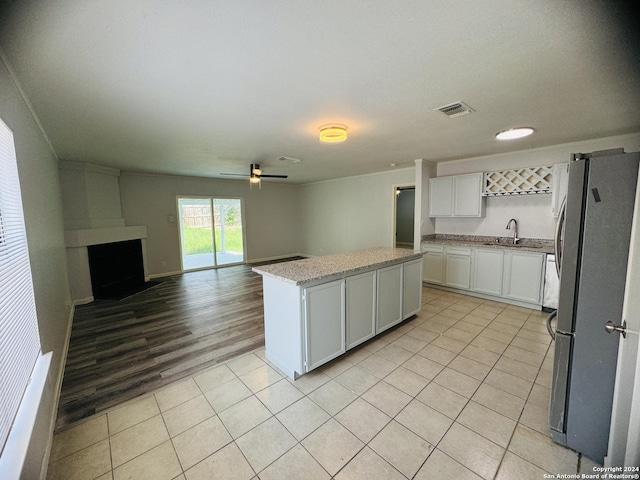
<point>592,246</point>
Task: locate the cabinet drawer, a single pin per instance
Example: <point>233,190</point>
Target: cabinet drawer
<point>459,251</point>
<point>432,248</point>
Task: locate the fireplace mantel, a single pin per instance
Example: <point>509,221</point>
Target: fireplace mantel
<point>99,236</point>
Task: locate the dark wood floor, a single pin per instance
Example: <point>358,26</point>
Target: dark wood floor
<point>122,349</point>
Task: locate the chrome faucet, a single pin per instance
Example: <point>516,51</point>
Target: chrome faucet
<point>515,230</point>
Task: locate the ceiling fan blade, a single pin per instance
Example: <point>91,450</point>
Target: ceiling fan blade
<point>273,176</point>
<point>235,174</point>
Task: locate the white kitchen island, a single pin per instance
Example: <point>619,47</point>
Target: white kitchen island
<point>318,308</point>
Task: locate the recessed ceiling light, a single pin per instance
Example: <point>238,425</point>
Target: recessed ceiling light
<point>514,133</point>
<point>333,133</point>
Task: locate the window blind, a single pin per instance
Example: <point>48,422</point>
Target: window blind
<point>19,337</point>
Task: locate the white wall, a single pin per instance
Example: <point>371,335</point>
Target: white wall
<point>42,204</point>
<point>533,212</point>
<point>272,215</point>
<point>350,213</point>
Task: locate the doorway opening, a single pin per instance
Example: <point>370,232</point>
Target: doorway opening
<point>404,213</point>
<point>211,232</point>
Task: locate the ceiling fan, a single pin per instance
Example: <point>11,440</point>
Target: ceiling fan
<point>255,174</point>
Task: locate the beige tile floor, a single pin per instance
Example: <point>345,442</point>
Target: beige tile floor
<point>461,391</point>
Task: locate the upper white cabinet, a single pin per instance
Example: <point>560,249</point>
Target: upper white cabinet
<point>467,195</point>
<point>523,276</point>
<point>559,190</point>
<point>456,196</point>
<point>324,322</point>
<point>441,197</point>
<point>361,308</point>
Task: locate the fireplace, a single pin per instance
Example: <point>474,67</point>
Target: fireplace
<point>116,269</point>
<point>78,244</point>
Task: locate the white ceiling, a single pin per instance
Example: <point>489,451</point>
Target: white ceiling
<point>201,87</point>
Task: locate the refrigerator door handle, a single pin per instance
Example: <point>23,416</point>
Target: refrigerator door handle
<point>551,316</point>
<point>557,244</point>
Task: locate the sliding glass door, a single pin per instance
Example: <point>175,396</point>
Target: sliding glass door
<point>227,217</point>
<point>211,232</point>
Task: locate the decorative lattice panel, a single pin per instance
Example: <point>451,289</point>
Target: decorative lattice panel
<point>521,181</point>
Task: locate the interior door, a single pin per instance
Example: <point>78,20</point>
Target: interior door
<point>624,438</point>
<point>404,216</point>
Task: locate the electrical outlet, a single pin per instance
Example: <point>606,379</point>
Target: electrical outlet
<point>163,264</point>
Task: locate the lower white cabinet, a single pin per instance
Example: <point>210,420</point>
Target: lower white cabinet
<point>389,308</point>
<point>324,321</point>
<point>307,326</point>
<point>360,308</point>
<point>458,267</point>
<point>411,288</point>
<point>433,264</point>
<point>487,271</point>
<point>523,276</point>
<point>506,274</point>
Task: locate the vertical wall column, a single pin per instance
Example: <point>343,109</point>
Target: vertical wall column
<point>424,225</point>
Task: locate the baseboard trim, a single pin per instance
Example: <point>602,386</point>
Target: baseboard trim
<point>164,274</point>
<point>83,301</point>
<point>518,303</point>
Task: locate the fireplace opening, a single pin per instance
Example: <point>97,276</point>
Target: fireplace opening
<point>117,269</point>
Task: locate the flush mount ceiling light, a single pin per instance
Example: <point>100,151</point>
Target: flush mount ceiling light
<point>333,133</point>
<point>514,133</point>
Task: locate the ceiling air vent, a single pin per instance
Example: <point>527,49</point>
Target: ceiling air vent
<point>455,109</point>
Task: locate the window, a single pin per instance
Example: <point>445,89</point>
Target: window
<point>19,338</point>
<point>211,232</point>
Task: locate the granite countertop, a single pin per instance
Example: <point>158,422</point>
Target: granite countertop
<point>524,244</point>
<point>314,269</point>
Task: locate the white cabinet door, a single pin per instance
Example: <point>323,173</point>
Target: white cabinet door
<point>441,197</point>
<point>411,288</point>
<point>433,263</point>
<point>324,308</point>
<point>467,197</point>
<point>458,267</point>
<point>456,196</point>
<point>389,308</point>
<point>433,267</point>
<point>361,308</point>
<point>487,271</point>
<point>523,276</point>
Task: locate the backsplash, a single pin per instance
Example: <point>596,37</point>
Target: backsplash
<point>533,213</point>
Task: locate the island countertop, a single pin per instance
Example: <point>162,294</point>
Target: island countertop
<point>314,269</point>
